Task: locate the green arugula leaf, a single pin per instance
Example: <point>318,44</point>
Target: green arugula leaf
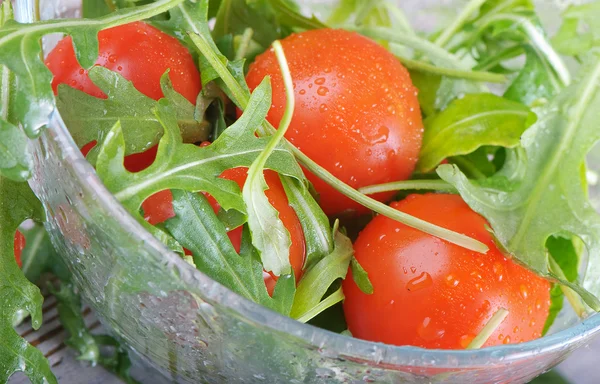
<point>361,277</point>
<point>234,16</point>
<point>469,123</point>
<point>69,311</point>
<point>20,47</point>
<point>17,294</point>
<point>535,83</point>
<point>580,31</point>
<point>90,118</point>
<point>315,224</point>
<point>541,194</point>
<point>567,257</point>
<point>82,340</point>
<point>198,229</point>
<point>192,168</point>
<point>269,235</point>
<point>96,8</point>
<point>317,280</point>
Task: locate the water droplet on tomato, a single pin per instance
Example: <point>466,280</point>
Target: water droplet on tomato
<point>302,91</point>
<point>320,81</point>
<point>322,91</point>
<point>323,108</point>
<point>422,281</point>
<point>112,58</point>
<point>119,68</point>
<point>427,330</point>
<point>465,340</point>
<point>405,270</point>
<point>451,281</point>
<point>81,71</point>
<point>413,269</point>
<point>499,270</point>
<point>524,291</point>
<point>516,330</point>
<point>506,340</point>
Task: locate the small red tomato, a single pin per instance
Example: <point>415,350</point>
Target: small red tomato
<point>357,113</point>
<point>137,51</point>
<point>433,294</point>
<point>141,54</point>
<point>19,245</point>
<point>159,207</point>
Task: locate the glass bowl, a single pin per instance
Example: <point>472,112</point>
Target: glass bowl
<point>193,329</point>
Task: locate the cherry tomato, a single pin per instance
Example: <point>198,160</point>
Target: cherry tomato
<point>137,51</point>
<point>357,113</point>
<point>19,246</point>
<point>433,294</point>
<point>159,207</point>
<point>141,54</point>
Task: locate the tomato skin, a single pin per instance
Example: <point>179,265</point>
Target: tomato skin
<point>19,245</point>
<point>137,51</point>
<point>433,294</point>
<point>159,207</point>
<point>357,113</point>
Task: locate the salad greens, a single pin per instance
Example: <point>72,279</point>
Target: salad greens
<point>516,155</point>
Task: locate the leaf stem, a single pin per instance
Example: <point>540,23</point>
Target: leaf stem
<point>436,185</point>
<point>572,297</point>
<point>240,97</point>
<point>467,166</point>
<point>488,329</point>
<point>450,72</point>
<point>244,44</point>
<point>458,22</point>
<point>329,301</point>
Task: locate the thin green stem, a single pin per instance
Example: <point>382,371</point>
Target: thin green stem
<point>244,44</point>
<point>449,72</point>
<point>329,301</point>
<point>240,97</point>
<point>492,61</point>
<point>572,297</point>
<point>458,22</point>
<point>488,329</point>
<point>435,185</point>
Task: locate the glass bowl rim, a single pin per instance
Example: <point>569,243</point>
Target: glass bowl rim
<point>343,346</point>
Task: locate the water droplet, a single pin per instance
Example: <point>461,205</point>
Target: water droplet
<point>413,269</point>
<point>451,281</point>
<point>323,108</point>
<point>429,331</point>
<point>506,340</point>
<point>422,281</point>
<point>112,58</point>
<point>119,68</point>
<point>524,292</point>
<point>516,330</point>
<point>320,81</point>
<point>499,270</point>
<point>322,91</point>
<point>302,91</point>
<point>465,340</point>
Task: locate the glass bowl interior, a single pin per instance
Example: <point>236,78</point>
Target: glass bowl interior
<point>194,329</point>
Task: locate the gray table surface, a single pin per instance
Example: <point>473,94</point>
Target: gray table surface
<point>580,368</point>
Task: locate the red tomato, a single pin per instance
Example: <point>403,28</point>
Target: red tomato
<point>357,113</point>
<point>159,207</point>
<point>141,54</point>
<point>137,51</point>
<point>433,294</point>
<point>19,246</point>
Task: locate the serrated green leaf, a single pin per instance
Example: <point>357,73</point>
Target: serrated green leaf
<point>17,294</point>
<point>580,31</point>
<point>541,194</point>
<point>90,118</point>
<point>15,160</point>
<point>198,229</point>
<point>536,82</point>
<point>316,281</point>
<point>20,47</point>
<point>192,168</point>
<point>472,122</point>
<point>315,224</point>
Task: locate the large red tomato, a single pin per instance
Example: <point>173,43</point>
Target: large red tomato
<point>356,114</point>
<point>159,207</point>
<point>433,294</point>
<point>141,54</point>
